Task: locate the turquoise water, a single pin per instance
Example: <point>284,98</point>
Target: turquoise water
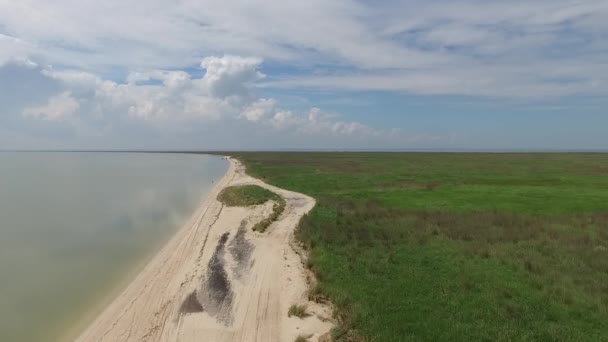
<point>76,227</point>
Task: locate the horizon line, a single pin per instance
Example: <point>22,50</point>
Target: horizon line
<point>304,150</point>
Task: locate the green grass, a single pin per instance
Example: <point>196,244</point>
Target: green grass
<point>454,247</point>
<point>247,195</point>
<point>298,311</point>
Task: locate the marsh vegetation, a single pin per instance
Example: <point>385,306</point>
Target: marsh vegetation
<point>432,246</point>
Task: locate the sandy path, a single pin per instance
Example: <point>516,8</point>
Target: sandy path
<point>217,280</point>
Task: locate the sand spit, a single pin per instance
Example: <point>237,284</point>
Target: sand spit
<point>217,280</point>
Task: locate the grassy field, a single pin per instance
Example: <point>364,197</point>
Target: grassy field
<point>455,247</point>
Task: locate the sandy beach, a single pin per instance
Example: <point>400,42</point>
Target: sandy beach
<point>217,280</point>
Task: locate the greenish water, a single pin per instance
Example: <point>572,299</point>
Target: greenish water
<point>76,227</point>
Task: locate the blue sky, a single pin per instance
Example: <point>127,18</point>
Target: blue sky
<point>466,74</point>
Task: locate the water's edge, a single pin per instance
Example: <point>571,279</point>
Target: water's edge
<point>77,228</point>
<point>116,287</point>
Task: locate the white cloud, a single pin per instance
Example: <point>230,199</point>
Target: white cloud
<point>230,75</point>
<point>475,42</point>
<point>58,108</point>
<point>314,115</point>
<point>510,81</point>
<point>174,98</point>
<point>129,65</point>
<point>163,103</point>
<point>74,78</point>
<point>13,49</point>
<point>317,122</point>
<point>259,109</point>
<point>350,128</point>
<point>161,95</point>
<point>282,119</point>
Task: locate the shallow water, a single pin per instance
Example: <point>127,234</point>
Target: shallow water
<point>76,227</point>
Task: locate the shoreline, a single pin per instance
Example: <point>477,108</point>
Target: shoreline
<point>84,319</point>
<point>174,297</point>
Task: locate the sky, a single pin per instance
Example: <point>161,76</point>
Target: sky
<point>339,74</point>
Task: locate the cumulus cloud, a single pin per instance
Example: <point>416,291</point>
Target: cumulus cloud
<point>77,80</point>
<point>176,99</point>
<point>259,109</point>
<point>58,108</point>
<point>230,75</point>
<point>162,95</point>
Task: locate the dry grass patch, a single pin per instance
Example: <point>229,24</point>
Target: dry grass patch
<point>298,311</point>
<point>277,210</point>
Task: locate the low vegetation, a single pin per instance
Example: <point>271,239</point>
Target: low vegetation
<point>277,209</point>
<point>438,247</point>
<point>247,195</point>
<point>298,311</point>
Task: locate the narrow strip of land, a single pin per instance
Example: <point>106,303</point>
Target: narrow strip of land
<point>218,280</point>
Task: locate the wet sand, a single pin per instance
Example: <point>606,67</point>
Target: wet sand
<point>217,280</point>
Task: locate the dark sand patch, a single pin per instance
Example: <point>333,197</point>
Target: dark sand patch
<point>241,250</point>
<point>191,305</point>
<point>216,293</point>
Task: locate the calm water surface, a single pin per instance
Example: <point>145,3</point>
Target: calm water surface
<point>76,227</point>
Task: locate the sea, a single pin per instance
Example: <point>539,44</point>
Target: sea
<point>76,228</point>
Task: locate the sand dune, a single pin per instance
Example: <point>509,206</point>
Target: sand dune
<point>217,280</point>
